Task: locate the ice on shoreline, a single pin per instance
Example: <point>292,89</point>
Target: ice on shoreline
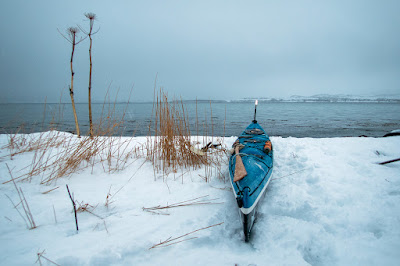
<point>329,203</point>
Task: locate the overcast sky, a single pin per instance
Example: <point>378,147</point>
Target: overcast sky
<point>204,49</point>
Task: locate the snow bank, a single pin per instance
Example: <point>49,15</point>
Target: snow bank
<point>329,203</point>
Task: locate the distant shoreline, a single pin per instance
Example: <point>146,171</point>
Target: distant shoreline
<point>319,98</point>
<point>237,101</point>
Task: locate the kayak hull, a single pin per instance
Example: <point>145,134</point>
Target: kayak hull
<point>257,159</point>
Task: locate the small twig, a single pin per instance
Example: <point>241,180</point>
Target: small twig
<point>180,241</point>
<point>110,197</point>
<point>28,211</point>
<point>73,204</point>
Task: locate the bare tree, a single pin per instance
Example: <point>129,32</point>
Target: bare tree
<point>91,17</point>
<point>71,38</point>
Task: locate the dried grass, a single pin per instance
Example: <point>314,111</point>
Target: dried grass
<point>168,146</point>
<point>57,154</point>
<point>86,207</point>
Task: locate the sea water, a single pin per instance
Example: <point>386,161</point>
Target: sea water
<point>297,119</point>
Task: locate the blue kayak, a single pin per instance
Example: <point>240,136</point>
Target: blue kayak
<point>254,148</point>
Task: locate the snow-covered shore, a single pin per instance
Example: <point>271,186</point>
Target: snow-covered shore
<point>329,203</point>
<point>331,98</point>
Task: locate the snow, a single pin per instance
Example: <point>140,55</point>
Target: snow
<point>329,203</point>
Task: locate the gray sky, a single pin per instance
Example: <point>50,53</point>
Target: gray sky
<point>203,49</point>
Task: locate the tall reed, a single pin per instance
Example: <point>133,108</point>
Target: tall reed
<point>71,37</point>
<point>170,147</point>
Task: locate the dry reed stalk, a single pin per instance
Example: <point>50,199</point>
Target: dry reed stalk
<point>212,124</point>
<point>15,141</point>
<point>86,207</point>
<point>55,216</point>
<point>71,38</point>
<point>223,137</point>
<point>101,147</point>
<point>191,202</point>
<point>169,148</point>
<point>105,226</point>
<point>22,143</point>
<point>24,204</point>
<point>48,191</point>
<point>88,152</point>
<point>91,17</point>
<point>56,155</point>
<point>108,198</point>
<point>171,241</point>
<point>41,158</point>
<point>40,256</point>
<point>197,124</point>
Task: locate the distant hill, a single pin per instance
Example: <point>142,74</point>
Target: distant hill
<point>328,98</point>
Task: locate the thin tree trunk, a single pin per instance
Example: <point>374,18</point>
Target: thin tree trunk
<point>90,87</point>
<point>71,89</point>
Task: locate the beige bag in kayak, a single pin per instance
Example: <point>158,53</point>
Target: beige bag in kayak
<point>240,170</point>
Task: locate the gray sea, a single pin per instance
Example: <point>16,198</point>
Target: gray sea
<point>296,119</point>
